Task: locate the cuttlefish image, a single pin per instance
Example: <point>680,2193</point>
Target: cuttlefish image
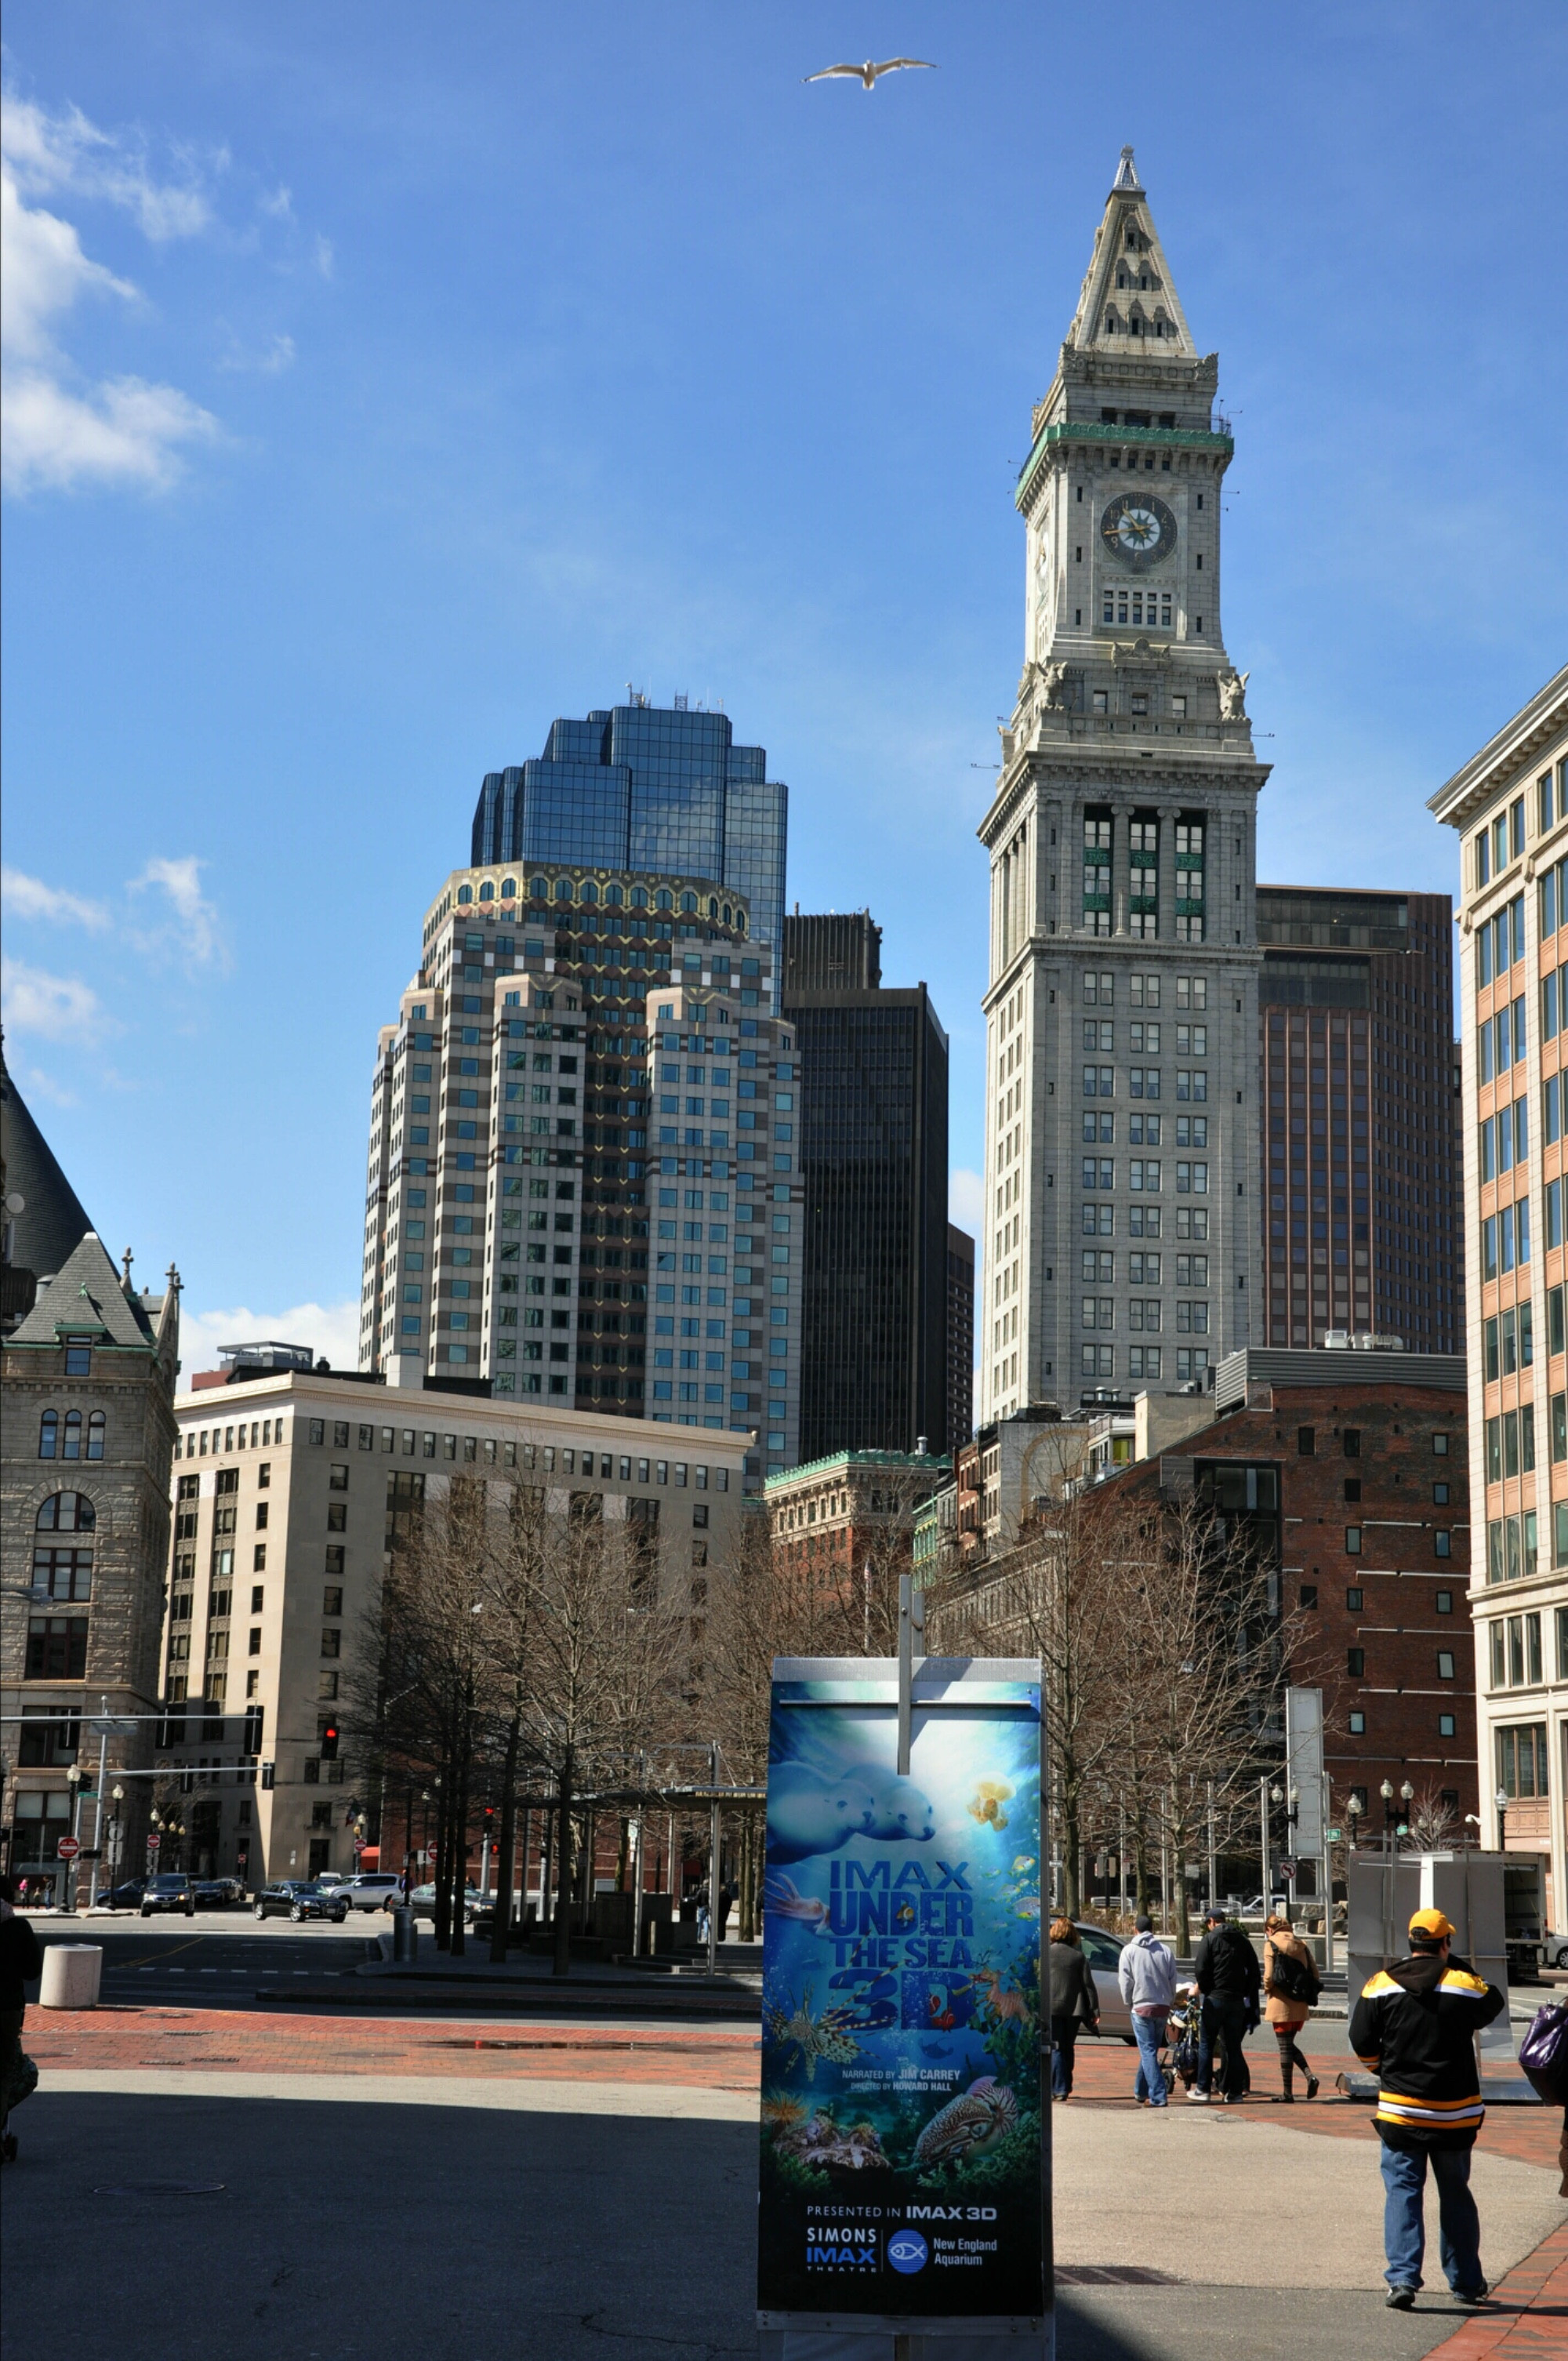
<point>985,1804</point>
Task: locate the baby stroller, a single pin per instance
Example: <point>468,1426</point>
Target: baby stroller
<point>1179,2055</point>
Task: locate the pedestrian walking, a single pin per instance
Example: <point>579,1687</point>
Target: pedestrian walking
<point>1074,2002</point>
<point>1415,2025</point>
<point>20,1960</point>
<point>721,1911</point>
<point>1147,1976</point>
<point>702,1913</point>
<point>1227,1976</point>
<point>1291,1984</point>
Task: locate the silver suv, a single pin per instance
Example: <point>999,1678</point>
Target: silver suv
<point>377,1890</point>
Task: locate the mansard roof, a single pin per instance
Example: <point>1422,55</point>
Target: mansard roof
<point>52,1221</point>
<point>88,1299</point>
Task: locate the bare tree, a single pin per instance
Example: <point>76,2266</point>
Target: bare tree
<point>1433,1824</point>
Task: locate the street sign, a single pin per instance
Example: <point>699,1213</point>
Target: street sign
<point>1286,1869</point>
<point>1333,1835</point>
<point>153,1843</point>
<point>68,1847</point>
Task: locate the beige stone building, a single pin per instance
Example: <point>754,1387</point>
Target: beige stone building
<point>87,1377</point>
<point>288,1485</point>
<point>1509,806</point>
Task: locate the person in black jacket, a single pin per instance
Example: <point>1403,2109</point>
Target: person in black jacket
<point>1415,2024</point>
<point>1227,1976</point>
<point>1074,2002</point>
<point>20,1960</point>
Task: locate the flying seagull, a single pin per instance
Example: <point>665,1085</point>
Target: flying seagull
<point>867,74</point>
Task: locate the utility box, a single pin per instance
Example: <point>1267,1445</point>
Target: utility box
<point>1524,1911</point>
<point>1385,1890</point>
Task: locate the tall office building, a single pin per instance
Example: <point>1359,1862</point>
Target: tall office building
<point>1361,1223</point>
<point>1509,806</point>
<point>521,1149</point>
<point>960,1338</point>
<point>873,1155</point>
<point>650,789</point>
<point>1122,1012</point>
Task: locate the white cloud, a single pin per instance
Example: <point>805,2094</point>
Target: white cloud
<point>191,926</point>
<point>272,361</point>
<point>58,432</point>
<point>280,204</point>
<point>324,256</point>
<point>331,1330</point>
<point>67,151</point>
<point>29,897</point>
<point>58,1007</point>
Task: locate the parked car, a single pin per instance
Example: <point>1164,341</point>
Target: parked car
<point>376,1890</point>
<point>123,1897</point>
<point>218,1892</point>
<point>423,1898</point>
<point>170,1891</point>
<point>330,1877</point>
<point>1103,1953</point>
<point>300,1898</point>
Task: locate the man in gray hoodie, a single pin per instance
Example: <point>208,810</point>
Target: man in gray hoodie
<point>1146,1973</point>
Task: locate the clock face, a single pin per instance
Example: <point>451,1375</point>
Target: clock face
<point>1138,529</point>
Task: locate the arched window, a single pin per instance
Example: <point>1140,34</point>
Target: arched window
<point>689,905</point>
<point>538,889</point>
<point>739,922</point>
<point>508,889</point>
<point>728,916</point>
<point>613,896</point>
<point>665,901</point>
<point>67,1512</point>
<point>64,1571</point>
<point>639,897</point>
<point>1110,323</point>
<point>713,905</point>
<point>588,892</point>
<point>95,1436</point>
<point>487,890</point>
<point>465,892</point>
<point>48,1434</point>
<point>73,1445</point>
<point>563,889</point>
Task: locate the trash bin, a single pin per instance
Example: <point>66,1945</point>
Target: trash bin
<point>71,1976</point>
<point>405,1935</point>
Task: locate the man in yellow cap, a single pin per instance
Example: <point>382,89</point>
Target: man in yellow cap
<point>1415,2025</point>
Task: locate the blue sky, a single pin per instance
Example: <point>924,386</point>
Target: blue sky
<point>383,380</point>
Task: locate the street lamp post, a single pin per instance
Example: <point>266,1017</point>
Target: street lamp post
<point>68,1883</point>
<point>1501,1800</point>
<point>117,1796</point>
<point>1386,1792</point>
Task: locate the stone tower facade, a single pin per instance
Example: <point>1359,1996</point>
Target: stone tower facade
<point>1122,1014</point>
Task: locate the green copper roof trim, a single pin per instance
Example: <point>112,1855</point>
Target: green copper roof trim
<point>1186,438</point>
<point>934,1460</point>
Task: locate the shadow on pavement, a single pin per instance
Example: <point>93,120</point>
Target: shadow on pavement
<point>256,2228</point>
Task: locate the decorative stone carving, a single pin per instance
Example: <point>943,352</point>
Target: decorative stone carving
<point>1232,696</point>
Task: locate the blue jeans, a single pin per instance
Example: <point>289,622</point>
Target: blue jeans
<point>1404,2228</point>
<point>1150,2083</point>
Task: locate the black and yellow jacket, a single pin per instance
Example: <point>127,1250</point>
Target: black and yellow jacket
<point>1415,2025</point>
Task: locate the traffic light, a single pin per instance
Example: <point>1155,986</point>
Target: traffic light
<point>329,1741</point>
<point>266,1772</point>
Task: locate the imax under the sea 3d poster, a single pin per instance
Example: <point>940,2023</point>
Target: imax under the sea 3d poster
<point>901,2133</point>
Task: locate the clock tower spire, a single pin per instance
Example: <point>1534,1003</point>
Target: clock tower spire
<point>1122,1008</point>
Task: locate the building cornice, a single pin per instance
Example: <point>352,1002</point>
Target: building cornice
<point>1514,748</point>
<point>1085,764</point>
<point>1066,430</point>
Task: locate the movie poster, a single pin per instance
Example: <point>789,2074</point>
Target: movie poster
<point>901,2084</point>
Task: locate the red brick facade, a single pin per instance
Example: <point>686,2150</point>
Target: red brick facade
<point>1380,1563</point>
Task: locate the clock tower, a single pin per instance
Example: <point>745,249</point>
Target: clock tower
<point>1120,1224</point>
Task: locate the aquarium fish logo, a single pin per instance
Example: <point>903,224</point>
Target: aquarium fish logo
<point>908,2251</point>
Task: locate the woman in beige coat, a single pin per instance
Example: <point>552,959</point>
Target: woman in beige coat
<point>1286,2015</point>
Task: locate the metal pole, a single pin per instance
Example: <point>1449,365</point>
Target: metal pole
<point>911,1631</point>
<point>1263,1824</point>
<point>713,1862</point>
<point>98,1804</point>
<point>637,1902</point>
<point>1213,1879</point>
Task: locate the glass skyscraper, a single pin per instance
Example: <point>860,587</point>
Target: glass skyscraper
<point>646,788</point>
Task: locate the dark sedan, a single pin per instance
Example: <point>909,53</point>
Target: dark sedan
<point>172,1891</point>
<point>297,1899</point>
<point>123,1897</point>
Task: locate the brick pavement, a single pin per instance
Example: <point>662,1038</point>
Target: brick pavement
<point>1530,2322</point>
<point>1104,2076</point>
<point>171,2038</point>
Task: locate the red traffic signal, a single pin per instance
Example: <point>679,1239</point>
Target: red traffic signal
<point>329,1742</point>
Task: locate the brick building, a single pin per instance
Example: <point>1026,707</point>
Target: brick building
<point>1352,1470</point>
<point>852,1505</point>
